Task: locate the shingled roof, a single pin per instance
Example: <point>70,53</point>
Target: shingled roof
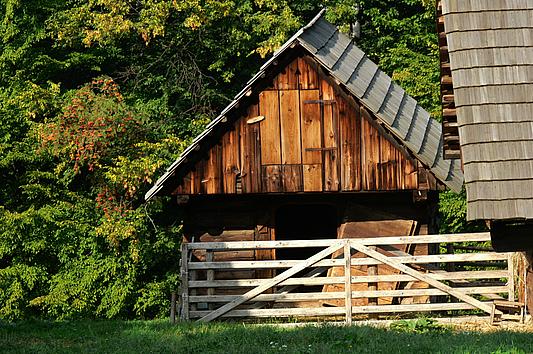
<point>490,44</point>
<point>344,61</point>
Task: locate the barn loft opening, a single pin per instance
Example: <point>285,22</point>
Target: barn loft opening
<point>304,222</point>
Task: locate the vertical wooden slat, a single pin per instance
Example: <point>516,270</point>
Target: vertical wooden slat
<point>212,178</point>
<point>292,178</point>
<point>350,135</point>
<point>310,123</point>
<point>270,128</point>
<point>287,79</point>
<point>199,173</point>
<point>400,174</point>
<point>348,282</point>
<point>185,186</point>
<point>312,176</point>
<point>330,139</point>
<point>370,154</point>
<point>411,173</point>
<point>230,159</point>
<point>272,178</point>
<point>290,127</point>
<point>250,149</point>
<point>387,165</point>
<point>308,75</point>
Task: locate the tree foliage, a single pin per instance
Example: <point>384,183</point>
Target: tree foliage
<point>99,96</point>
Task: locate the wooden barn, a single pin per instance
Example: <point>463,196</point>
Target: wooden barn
<point>320,149</point>
<point>487,95</point>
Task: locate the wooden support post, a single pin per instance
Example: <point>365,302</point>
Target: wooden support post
<point>348,282</point>
<point>173,308</point>
<point>184,315</point>
<point>209,257</point>
<point>271,283</point>
<point>511,279</point>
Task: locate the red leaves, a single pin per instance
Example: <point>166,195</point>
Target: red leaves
<point>92,124</point>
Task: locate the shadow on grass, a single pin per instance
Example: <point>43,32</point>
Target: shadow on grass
<point>161,337</point>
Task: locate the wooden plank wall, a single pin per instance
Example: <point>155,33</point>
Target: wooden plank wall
<point>302,135</point>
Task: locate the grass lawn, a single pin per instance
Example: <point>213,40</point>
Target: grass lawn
<point>161,337</point>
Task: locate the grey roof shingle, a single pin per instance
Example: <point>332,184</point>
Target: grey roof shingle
<point>491,58</point>
<point>401,114</point>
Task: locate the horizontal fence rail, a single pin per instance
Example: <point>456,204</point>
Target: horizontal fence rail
<point>348,277</point>
<point>370,241</point>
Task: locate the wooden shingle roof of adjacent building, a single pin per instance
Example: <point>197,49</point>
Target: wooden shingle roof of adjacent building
<point>490,46</point>
<point>398,113</point>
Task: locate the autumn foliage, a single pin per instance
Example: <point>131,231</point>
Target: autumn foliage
<point>92,126</point>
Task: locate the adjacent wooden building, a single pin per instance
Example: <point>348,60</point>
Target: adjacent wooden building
<point>487,78</point>
<point>319,144</point>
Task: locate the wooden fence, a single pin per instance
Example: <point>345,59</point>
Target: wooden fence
<point>207,293</point>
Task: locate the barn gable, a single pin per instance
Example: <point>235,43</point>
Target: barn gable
<point>319,116</point>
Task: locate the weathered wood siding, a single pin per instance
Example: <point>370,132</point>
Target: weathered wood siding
<point>303,135</point>
<point>490,45</point>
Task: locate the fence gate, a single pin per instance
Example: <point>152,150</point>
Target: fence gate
<point>314,287</point>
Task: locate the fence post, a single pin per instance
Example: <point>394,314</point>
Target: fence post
<point>348,281</point>
<point>173,308</point>
<point>184,315</point>
<point>511,279</point>
<point>209,257</point>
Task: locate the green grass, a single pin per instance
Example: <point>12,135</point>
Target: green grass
<point>161,337</point>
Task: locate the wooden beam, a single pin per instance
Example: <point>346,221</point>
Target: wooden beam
<point>371,241</point>
<point>273,282</point>
<point>438,258</point>
<point>292,283</point>
<point>331,311</point>
<point>302,297</point>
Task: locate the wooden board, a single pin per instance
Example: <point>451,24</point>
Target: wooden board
<point>330,138</point>
<point>308,75</point>
<point>292,178</point>
<point>350,137</point>
<point>230,160</point>
<point>290,127</point>
<point>270,128</point>
<point>250,153</point>
<point>212,179</point>
<point>197,177</point>
<point>311,140</point>
<point>370,155</point>
<point>288,78</point>
<point>272,178</point>
<point>388,165</point>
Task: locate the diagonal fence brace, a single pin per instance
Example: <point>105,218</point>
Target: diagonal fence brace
<point>420,276</point>
<point>272,282</point>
